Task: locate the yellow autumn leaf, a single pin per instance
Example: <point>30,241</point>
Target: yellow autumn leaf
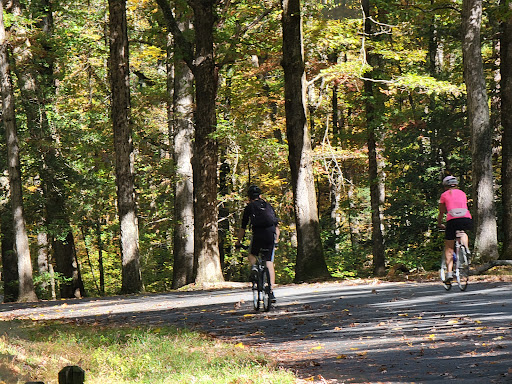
<point>317,347</point>
<point>432,337</point>
<point>453,322</point>
<point>240,345</point>
<point>341,357</point>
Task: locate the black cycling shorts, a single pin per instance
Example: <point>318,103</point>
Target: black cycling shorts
<point>454,225</point>
<point>263,243</point>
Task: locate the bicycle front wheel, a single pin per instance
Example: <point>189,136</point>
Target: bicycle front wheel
<point>443,272</point>
<point>462,271</point>
<point>266,290</point>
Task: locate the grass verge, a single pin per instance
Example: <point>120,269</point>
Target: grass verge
<point>37,351</point>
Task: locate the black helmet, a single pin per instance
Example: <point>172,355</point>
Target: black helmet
<point>450,181</point>
<point>253,192</point>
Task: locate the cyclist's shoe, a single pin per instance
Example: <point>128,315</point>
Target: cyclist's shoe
<point>272,297</point>
<point>449,278</point>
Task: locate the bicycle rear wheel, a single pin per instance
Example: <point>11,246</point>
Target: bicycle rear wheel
<point>256,283</point>
<point>266,290</point>
<point>443,272</point>
<point>462,271</point>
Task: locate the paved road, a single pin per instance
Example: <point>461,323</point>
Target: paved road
<point>335,332</point>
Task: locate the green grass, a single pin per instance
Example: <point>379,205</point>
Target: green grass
<point>36,351</point>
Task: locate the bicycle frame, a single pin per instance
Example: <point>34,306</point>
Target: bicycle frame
<point>460,265</point>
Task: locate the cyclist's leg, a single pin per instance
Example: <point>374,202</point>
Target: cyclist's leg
<point>254,250</point>
<point>464,240</point>
<point>252,259</point>
<point>448,254</point>
<point>449,244</point>
<point>271,270</point>
<point>466,225</point>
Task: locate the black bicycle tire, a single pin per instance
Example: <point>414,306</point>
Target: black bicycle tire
<point>462,269</point>
<point>255,297</point>
<point>265,290</point>
<point>442,273</point>
<point>256,294</point>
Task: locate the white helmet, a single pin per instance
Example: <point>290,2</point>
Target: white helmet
<point>450,181</point>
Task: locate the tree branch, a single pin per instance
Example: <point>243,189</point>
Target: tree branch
<point>183,44</point>
<point>240,32</point>
<point>495,263</point>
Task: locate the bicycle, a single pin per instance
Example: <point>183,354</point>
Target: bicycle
<point>460,268</point>
<point>260,282</point>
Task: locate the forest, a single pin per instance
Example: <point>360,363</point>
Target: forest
<point>131,131</point>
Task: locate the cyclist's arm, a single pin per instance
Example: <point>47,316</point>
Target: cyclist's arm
<point>440,216</point>
<point>277,235</point>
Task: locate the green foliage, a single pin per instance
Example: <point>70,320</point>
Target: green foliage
<point>420,120</point>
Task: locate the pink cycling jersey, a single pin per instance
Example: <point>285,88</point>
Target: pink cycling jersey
<point>456,204</point>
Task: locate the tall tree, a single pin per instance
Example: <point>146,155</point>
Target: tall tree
<point>183,134</point>
<point>206,213</point>
<point>37,85</point>
<point>199,56</point>
<point>21,246</point>
<point>310,258</point>
<point>506,120</point>
<point>486,240</point>
<point>373,168</point>
<point>123,144</point>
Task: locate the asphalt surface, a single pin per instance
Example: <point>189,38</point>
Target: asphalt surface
<point>333,332</point>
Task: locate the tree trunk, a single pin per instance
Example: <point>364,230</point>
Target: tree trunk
<point>486,242</point>
<point>310,259</point>
<point>42,258</point>
<point>9,259</point>
<point>206,235</point>
<point>378,249</point>
<point>120,83</point>
<point>204,163</point>
<point>21,246</point>
<point>506,121</point>
<point>183,271</point>
<point>36,82</point>
<point>99,243</point>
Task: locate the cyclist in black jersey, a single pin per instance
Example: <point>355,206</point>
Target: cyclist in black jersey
<point>264,236</point>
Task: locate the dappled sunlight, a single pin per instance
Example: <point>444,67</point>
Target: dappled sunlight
<point>355,332</point>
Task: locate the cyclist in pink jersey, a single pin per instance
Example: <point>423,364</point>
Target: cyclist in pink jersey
<point>454,204</point>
